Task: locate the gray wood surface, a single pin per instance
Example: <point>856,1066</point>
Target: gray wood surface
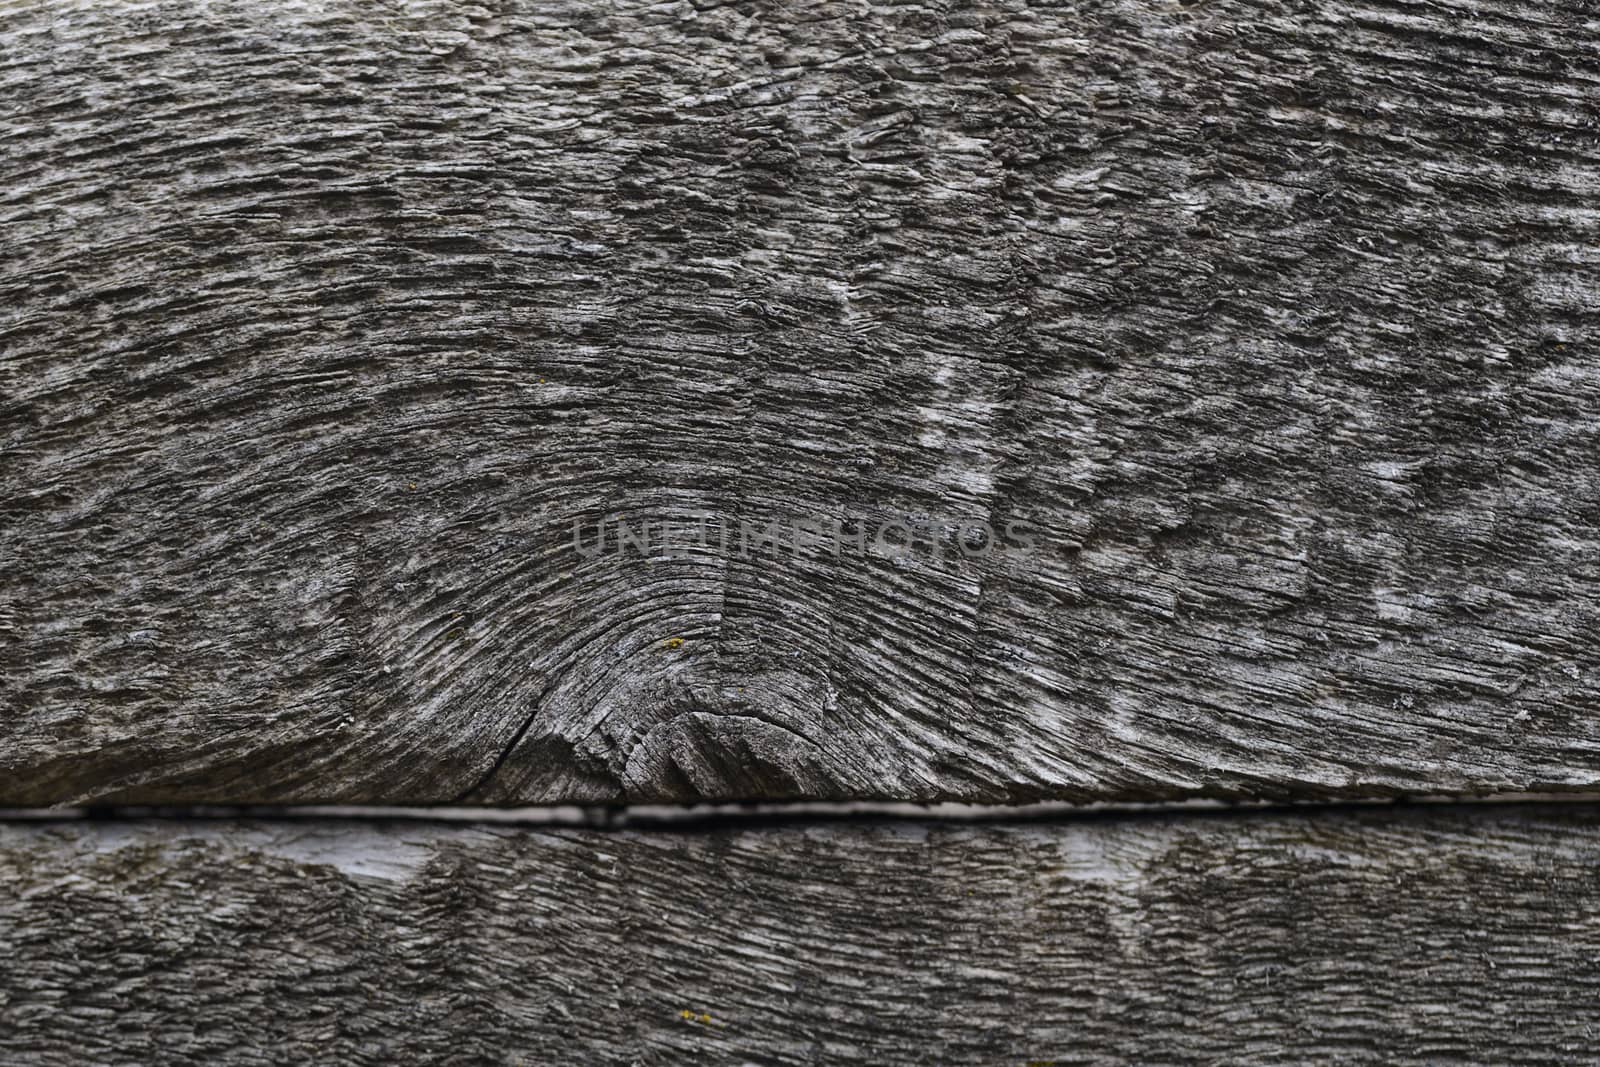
<point>1427,937</point>
<point>321,325</point>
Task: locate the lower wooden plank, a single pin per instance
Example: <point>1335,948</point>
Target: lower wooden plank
<point>1402,936</point>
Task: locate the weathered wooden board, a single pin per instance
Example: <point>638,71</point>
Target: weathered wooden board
<point>321,324</point>
<point>1381,937</point>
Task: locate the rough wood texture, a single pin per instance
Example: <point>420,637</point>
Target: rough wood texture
<point>1438,937</point>
<point>321,324</point>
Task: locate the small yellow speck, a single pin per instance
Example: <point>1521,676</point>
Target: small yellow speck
<point>412,487</point>
<point>705,1018</point>
<point>674,642</point>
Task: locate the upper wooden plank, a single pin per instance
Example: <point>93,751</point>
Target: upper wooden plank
<point>1271,323</point>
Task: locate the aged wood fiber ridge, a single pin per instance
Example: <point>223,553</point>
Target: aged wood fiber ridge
<point>321,323</point>
<point>1434,937</point>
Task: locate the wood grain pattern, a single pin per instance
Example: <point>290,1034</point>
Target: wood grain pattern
<point>321,324</point>
<point>1375,937</point>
